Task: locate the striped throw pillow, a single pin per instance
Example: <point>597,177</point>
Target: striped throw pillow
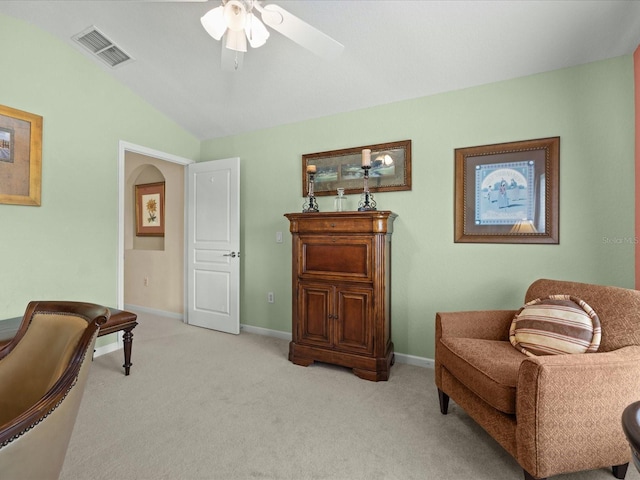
<point>557,324</point>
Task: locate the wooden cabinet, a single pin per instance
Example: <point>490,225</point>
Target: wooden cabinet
<point>341,270</point>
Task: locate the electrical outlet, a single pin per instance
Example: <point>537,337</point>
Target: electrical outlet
<point>270,297</point>
<point>146,281</point>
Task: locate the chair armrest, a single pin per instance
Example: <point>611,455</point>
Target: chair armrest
<point>483,324</point>
<point>569,409</point>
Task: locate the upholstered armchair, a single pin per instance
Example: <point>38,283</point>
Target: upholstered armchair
<point>554,413</point>
<point>43,371</point>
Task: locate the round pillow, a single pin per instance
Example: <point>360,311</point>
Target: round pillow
<point>557,324</point>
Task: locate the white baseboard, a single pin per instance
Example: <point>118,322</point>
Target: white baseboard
<point>414,360</point>
<point>108,348</point>
<point>111,347</point>
<point>266,331</point>
<point>400,357</point>
<point>153,311</point>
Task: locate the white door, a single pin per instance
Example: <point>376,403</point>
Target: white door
<point>213,241</point>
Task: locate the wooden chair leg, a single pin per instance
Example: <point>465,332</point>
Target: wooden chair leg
<point>127,340</point>
<point>444,402</point>
<point>619,471</point>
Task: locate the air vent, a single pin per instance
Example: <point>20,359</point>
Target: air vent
<point>97,43</point>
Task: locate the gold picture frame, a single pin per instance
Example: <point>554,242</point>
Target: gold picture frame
<point>508,192</point>
<point>20,157</point>
<point>150,210</point>
<point>390,169</point>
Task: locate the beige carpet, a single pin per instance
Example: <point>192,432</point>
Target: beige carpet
<point>206,405</point>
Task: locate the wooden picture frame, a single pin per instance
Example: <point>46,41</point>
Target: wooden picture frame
<point>150,210</point>
<point>508,192</point>
<point>20,157</point>
<point>390,169</point>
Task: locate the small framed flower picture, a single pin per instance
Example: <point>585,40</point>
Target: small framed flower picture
<point>150,210</point>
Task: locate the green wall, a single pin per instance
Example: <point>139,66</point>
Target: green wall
<point>590,107</point>
<point>67,248</point>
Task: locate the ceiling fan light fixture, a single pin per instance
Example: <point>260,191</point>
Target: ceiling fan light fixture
<point>236,41</point>
<point>235,15</point>
<point>214,22</point>
<point>256,32</point>
<point>235,22</point>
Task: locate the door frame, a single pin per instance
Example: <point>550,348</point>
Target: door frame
<point>123,148</point>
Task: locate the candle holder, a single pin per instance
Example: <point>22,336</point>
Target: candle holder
<point>366,203</point>
<point>311,205</point>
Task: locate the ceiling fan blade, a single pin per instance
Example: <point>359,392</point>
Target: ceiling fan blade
<point>300,32</point>
<point>230,60</point>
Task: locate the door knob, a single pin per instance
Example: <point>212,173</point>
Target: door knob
<point>232,255</point>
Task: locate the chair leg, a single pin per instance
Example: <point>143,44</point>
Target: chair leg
<point>127,340</point>
<point>528,476</point>
<point>444,402</point>
<point>619,471</point>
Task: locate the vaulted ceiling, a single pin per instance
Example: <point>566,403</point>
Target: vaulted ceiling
<point>393,50</point>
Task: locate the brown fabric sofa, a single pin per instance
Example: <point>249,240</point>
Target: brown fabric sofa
<point>554,413</point>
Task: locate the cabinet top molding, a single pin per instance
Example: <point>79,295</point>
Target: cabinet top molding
<point>342,222</point>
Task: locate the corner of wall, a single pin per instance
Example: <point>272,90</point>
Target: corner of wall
<point>636,81</point>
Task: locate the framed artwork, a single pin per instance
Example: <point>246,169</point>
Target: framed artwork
<point>390,169</point>
<point>150,210</point>
<point>508,192</point>
<point>20,157</point>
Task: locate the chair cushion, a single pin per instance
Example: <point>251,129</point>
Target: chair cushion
<point>489,368</point>
<point>557,324</point>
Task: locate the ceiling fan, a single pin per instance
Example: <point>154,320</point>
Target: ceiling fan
<point>237,21</point>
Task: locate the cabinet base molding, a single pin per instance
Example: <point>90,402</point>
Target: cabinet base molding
<point>368,368</point>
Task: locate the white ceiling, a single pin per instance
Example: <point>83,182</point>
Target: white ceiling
<point>394,50</point>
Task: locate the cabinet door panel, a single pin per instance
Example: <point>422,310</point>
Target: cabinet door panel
<point>314,322</point>
<point>353,326</point>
